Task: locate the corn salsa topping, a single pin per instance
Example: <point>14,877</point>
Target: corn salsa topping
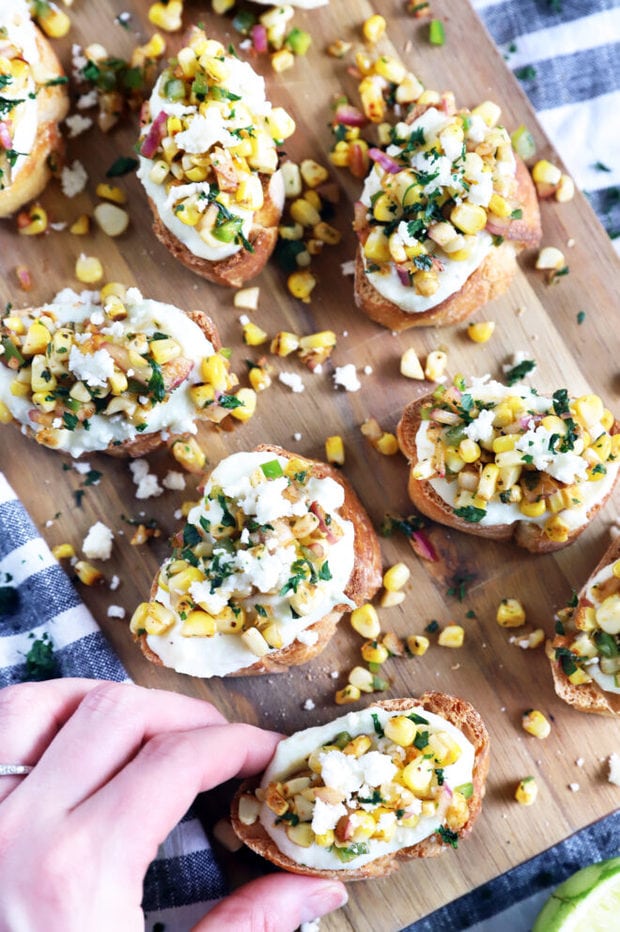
<point>84,375</point>
<point>209,147</point>
<point>369,783</point>
<point>587,641</point>
<point>500,454</point>
<point>262,557</point>
<point>436,201</point>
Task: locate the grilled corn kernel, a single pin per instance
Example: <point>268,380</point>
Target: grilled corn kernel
<point>301,284</point>
<point>63,551</point>
<point>401,730</point>
<point>557,530</point>
<point>544,172</point>
<point>451,636</point>
<point>488,111</point>
<point>214,371</point>
<point>199,624</point>
<point>533,509</point>
<point>247,298</point>
<point>54,22</point>
<point>510,613</point>
<point>282,60</point>
<point>167,16</point>
<point>377,247</point>
<point>253,335</point>
<point>468,218</point>
<point>5,415</point>
<point>469,450</point>
<point>373,28</point>
<point>334,450</point>
<point>390,599</point>
<point>373,652</point>
<point>365,621</point>
<point>579,677</point>
<point>88,269</point>
<point>327,234</point>
<point>445,750</point>
<point>188,453</point>
<point>362,679</point>
<point>36,221</point>
<point>396,577</point>
<point>302,211</point>
<point>36,339</point>
<point>19,389</point>
<point>259,378</point>
<point>247,397</point>
<point>254,641</point>
<point>482,331</point>
<point>81,226</point>
<point>565,190</point>
<point>418,644</point>
<point>87,573</point>
<point>435,367</point>
<point>284,343</point>
<point>550,258</point>
<point>535,723</point>
<point>488,482</point>
<point>425,282</point>
<point>417,775</point>
<point>410,365</point>
<point>387,444</point>
<point>348,694</point>
<point>312,173</point>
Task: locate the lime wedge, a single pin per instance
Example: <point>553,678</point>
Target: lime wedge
<point>589,901</point>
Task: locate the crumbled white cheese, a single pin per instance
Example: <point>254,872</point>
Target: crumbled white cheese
<point>579,762</point>
<point>312,926</point>
<point>147,483</point>
<point>347,377</point>
<point>482,427</point>
<point>565,467</point>
<point>77,124</point>
<point>574,787</point>
<point>614,769</point>
<point>73,179</point>
<point>308,705</point>
<point>98,542</point>
<point>181,191</point>
<point>292,380</point>
<point>348,268</point>
<point>297,436</point>
<point>116,611</point>
<point>325,816</point>
<point>92,368</point>
<point>204,132</point>
<point>81,467</point>
<point>368,370</point>
<point>114,583</point>
<point>174,480</point>
<point>88,100</point>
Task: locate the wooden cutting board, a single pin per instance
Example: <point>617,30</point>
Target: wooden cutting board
<point>498,677</point>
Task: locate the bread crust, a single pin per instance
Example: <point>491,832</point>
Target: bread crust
<point>142,444</point>
<point>242,266</point>
<point>491,279</point>
<point>457,711</point>
<point>524,533</point>
<point>52,108</point>
<point>589,697</point>
<point>364,581</point>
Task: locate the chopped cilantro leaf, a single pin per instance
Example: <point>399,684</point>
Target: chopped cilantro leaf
<point>470,513</point>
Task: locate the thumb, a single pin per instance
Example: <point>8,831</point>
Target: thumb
<point>278,902</point>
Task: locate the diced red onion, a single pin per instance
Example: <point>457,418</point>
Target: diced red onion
<point>403,276</point>
<point>154,136</point>
<point>259,37</point>
<point>386,161</point>
<point>349,115</point>
<point>422,546</point>
<point>5,137</point>
<point>498,226</point>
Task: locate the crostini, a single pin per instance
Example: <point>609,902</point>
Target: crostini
<point>33,101</point>
<point>112,374</point>
<point>276,550</point>
<point>505,462</point>
<point>399,780</point>
<point>209,163</point>
<point>443,213</point>
<point>585,652</point>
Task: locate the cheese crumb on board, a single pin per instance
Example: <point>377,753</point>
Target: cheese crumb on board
<point>73,179</point>
<point>614,769</point>
<point>346,376</point>
<point>98,542</point>
<point>292,380</point>
<point>116,611</point>
<point>174,480</point>
<point>147,482</point>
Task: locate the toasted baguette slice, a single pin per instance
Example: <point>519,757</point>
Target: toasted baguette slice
<point>589,695</point>
<point>362,572</point>
<point>218,206</point>
<point>51,107</point>
<point>461,812</point>
<point>98,368</point>
<point>538,534</point>
<point>489,280</point>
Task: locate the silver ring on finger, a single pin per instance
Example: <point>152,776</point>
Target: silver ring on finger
<point>15,770</point>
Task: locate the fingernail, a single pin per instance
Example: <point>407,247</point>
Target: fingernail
<point>323,900</point>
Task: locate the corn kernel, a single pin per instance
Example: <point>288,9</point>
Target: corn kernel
<point>544,172</point>
<point>451,636</point>
<point>348,694</point>
<point>376,248</point>
<point>550,258</point>
<point>284,343</point>
<point>362,679</point>
<point>469,218</point>
<point>396,577</point>
<point>247,298</point>
<point>469,450</point>
<point>339,48</point>
<point>435,367</point>
<point>417,644</point>
<point>373,652</point>
<point>510,613</point>
<point>373,28</point>
<point>245,411</point>
<point>188,453</point>
<point>199,624</point>
<point>533,509</point>
<point>488,111</point>
<point>417,775</point>
<point>254,641</point>
<point>358,745</point>
<point>87,573</point>
<point>301,284</point>
<point>387,444</point>
<point>282,60</point>
<point>80,226</point>
<point>565,190</point>
<point>526,791</point>
<point>391,599</point>
<point>54,23</point>
<point>63,551</point>
<point>410,365</point>
<point>579,677</point>
<point>365,621</point>
<point>482,331</point>
<point>88,269</point>
<point>334,450</point>
<point>166,16</point>
<point>36,221</point>
<point>253,335</point>
<point>401,730</point>
<point>535,723</point>
<point>5,414</point>
<point>557,530</point>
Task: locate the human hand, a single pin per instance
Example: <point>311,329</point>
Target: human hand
<point>115,768</point>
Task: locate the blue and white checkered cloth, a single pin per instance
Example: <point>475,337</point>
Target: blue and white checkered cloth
<point>185,880</point>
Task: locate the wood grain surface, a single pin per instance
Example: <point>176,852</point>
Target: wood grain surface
<point>499,678</point>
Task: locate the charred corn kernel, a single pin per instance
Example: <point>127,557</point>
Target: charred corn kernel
<point>373,28</point>
<point>426,282</point>
<point>111,192</point>
<point>339,48</point>
<point>390,68</point>
<point>88,269</point>
<point>151,618</point>
<point>451,636</point>
<point>36,339</point>
<point>544,172</point>
<point>302,211</point>
<point>37,222</point>
<point>253,335</point>
<point>391,599</point>
<point>410,365</point>
<point>313,173</point>
<point>579,677</point>
<point>199,624</point>
<point>323,339</point>
<point>247,397</point>
<point>54,22</point>
<point>293,231</point>
<point>247,298</point>
<point>215,371</point>
<point>482,331</point>
<point>334,450</point>
<point>167,16</point>
<point>362,679</point>
<point>188,453</point>
<point>550,258</point>
<point>401,730</point>
<point>81,226</point>
<point>373,652</point>
<point>396,577</point>
<point>376,248</point>
<point>533,509</point>
<point>113,290</point>
<point>384,133</point>
<point>284,343</point>
<point>445,750</point>
<point>510,613</point>
<point>301,284</point>
<point>488,111</point>
<point>387,444</point>
<point>154,48</point>
<point>249,194</point>
<point>163,351</point>
<point>282,60</point>
<point>417,775</point>
<point>488,481</point>
<point>409,89</point>
<point>63,551</point>
<point>327,233</point>
<point>357,746</point>
<point>423,469</point>
<point>417,644</point>
<point>534,639</point>
<point>586,620</point>
<point>88,574</point>
<point>350,693</point>
<point>373,103</point>
<point>557,530</point>
<point>535,723</point>
<point>565,190</point>
<point>365,621</point>
<point>469,218</point>
<point>435,367</point>
<point>303,259</point>
<point>272,633</point>
<point>469,450</point>
<point>254,641</point>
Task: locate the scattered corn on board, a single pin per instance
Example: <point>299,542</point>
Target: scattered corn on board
<point>498,677</point>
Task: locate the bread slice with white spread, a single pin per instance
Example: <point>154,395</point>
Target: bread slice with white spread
<point>276,550</point>
<point>361,795</point>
